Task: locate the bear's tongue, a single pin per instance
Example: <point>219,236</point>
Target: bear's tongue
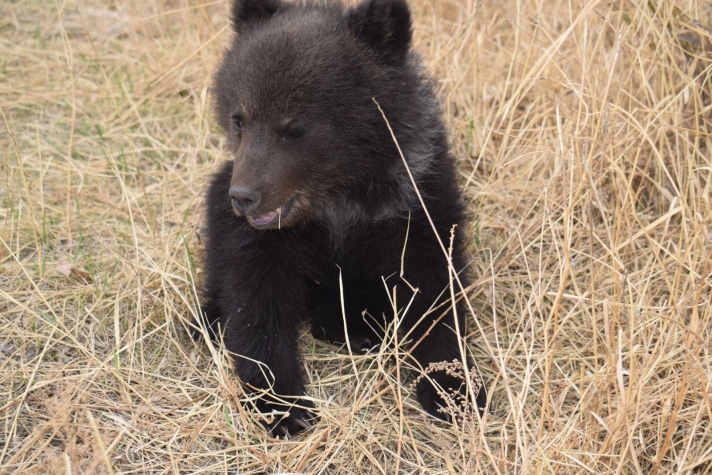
<point>266,218</point>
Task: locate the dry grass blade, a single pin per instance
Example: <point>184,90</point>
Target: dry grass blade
<point>583,132</point>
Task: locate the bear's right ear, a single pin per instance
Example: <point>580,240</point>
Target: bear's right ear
<point>246,13</point>
<point>384,26</point>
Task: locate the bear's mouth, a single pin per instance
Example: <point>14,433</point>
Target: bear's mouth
<point>272,219</point>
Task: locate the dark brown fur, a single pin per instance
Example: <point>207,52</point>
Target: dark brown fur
<point>294,93</point>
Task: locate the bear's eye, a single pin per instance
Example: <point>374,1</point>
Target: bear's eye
<point>237,122</point>
<point>295,133</point>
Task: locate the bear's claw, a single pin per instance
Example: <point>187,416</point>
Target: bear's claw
<point>287,426</point>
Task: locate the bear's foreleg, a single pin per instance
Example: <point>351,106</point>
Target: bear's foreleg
<point>263,309</point>
<point>437,339</point>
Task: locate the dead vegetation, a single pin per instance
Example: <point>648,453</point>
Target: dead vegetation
<point>583,133</point>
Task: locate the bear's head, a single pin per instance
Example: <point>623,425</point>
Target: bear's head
<point>295,95</point>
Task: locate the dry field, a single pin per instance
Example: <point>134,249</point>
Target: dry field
<point>583,132</point>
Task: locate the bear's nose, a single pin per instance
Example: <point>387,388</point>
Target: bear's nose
<point>243,198</point>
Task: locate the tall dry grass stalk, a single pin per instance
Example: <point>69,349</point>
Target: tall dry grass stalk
<point>583,135</point>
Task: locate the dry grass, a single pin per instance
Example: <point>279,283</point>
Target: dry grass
<point>583,132</point>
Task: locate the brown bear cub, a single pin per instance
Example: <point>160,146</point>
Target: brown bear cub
<point>316,193</point>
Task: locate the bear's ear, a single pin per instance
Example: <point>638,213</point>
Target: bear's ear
<point>384,26</point>
<point>246,13</point>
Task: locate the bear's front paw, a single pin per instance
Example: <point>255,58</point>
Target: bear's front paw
<point>298,418</point>
<point>442,391</point>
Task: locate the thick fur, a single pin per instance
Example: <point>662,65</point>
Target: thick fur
<point>294,94</point>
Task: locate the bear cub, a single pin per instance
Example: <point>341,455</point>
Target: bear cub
<point>316,199</point>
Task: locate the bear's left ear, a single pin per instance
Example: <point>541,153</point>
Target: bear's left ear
<point>384,26</point>
<point>246,13</point>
